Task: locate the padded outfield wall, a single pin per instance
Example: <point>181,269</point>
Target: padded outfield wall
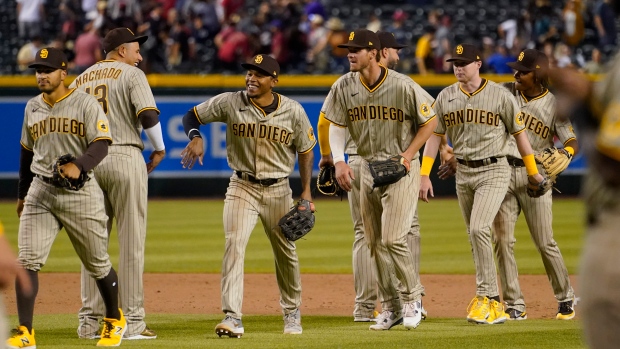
<point>175,95</point>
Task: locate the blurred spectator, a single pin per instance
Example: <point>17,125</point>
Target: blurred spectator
<point>595,64</point>
<point>154,58</point>
<point>336,35</point>
<point>496,63</point>
<point>605,23</point>
<point>563,55</point>
<point>549,50</point>
<point>424,52</point>
<point>125,13</point>
<point>87,48</point>
<point>317,57</point>
<point>70,15</point>
<point>102,20</point>
<point>89,6</point>
<point>59,43</point>
<point>230,7</point>
<point>374,23</point>
<point>233,46</point>
<point>397,26</point>
<point>179,54</point>
<point>30,16</point>
<point>574,30</point>
<point>442,44</point>
<point>206,10</point>
<point>279,45</point>
<point>27,53</point>
<point>314,7</point>
<point>544,21</point>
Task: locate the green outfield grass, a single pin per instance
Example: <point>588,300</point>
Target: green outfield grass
<point>187,236</point>
<point>196,331</point>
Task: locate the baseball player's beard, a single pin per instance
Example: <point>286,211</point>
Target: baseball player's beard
<point>48,87</point>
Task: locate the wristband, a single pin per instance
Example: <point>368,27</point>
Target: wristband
<point>530,164</point>
<point>570,150</point>
<point>193,133</point>
<point>427,165</point>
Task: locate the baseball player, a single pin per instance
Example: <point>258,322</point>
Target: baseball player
<point>264,132</point>
<point>124,93</point>
<point>475,114</point>
<point>59,121</point>
<point>9,269</point>
<point>386,114</point>
<point>595,108</point>
<point>363,273</point>
<point>539,108</point>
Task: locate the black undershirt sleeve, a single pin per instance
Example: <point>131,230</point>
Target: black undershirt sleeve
<point>25,174</point>
<point>191,124</point>
<point>148,118</point>
<point>93,155</point>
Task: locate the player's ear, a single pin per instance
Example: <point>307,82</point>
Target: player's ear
<point>63,74</point>
<point>274,82</point>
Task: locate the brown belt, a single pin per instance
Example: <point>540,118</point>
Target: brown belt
<point>514,162</point>
<point>478,163</point>
<point>264,182</point>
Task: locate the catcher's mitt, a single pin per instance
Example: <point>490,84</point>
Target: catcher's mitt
<point>297,223</point>
<point>326,183</point>
<point>536,190</point>
<point>554,161</point>
<point>61,181</point>
<point>388,171</point>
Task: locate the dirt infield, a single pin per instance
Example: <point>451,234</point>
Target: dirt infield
<point>323,294</point>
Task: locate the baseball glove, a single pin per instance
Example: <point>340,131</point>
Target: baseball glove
<point>326,183</point>
<point>554,161</point>
<point>297,223</point>
<point>388,171</point>
<point>536,190</point>
<point>59,179</point>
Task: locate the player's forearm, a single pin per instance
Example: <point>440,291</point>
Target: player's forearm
<point>525,149</point>
<point>306,162</point>
<point>93,155</point>
<point>149,118</point>
<point>430,153</point>
<point>191,125</point>
<point>573,145</point>
<point>424,133</point>
<point>323,135</point>
<point>337,137</point>
<point>25,174</point>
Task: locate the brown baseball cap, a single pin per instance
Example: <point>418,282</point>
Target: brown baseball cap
<point>465,52</point>
<point>116,37</point>
<point>530,60</point>
<point>265,64</point>
<point>363,38</point>
<point>51,58</point>
<point>387,40</point>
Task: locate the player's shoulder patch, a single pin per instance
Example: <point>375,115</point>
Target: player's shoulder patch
<point>520,118</point>
<point>102,126</point>
<point>425,109</point>
<point>311,133</point>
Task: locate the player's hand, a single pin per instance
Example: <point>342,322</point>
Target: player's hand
<point>344,175</point>
<point>156,157</point>
<point>309,198</point>
<point>326,160</point>
<point>407,162</point>
<point>426,188</point>
<point>69,170</point>
<point>9,267</point>
<point>538,178</point>
<point>447,169</point>
<point>446,153</point>
<point>20,207</point>
<point>192,152</point>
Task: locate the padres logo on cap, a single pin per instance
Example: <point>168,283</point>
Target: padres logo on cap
<point>258,59</point>
<point>351,36</point>
<point>521,55</point>
<point>43,53</point>
<point>459,50</point>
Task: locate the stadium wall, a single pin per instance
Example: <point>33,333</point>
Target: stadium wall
<point>175,95</point>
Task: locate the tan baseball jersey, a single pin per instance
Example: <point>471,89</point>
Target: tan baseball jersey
<point>131,95</point>
<point>399,108</point>
<point>53,130</point>
<point>275,138</point>
<point>476,123</point>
